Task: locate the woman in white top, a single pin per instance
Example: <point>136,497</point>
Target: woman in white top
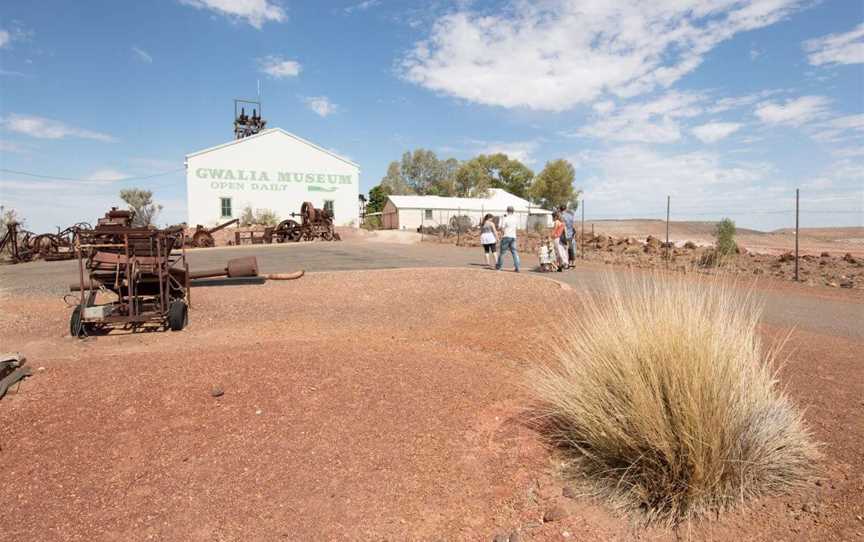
<point>489,239</point>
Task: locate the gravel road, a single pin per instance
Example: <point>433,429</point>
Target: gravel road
<point>821,310</point>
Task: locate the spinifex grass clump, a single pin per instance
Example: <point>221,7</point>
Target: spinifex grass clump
<point>662,391</point>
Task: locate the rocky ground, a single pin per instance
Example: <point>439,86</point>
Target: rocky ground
<point>351,406</point>
<point>825,269</point>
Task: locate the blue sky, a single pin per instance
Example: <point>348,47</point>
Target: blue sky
<point>727,105</point>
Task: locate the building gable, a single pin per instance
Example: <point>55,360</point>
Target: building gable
<point>271,137</point>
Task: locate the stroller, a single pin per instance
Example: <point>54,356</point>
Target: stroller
<point>548,256</point>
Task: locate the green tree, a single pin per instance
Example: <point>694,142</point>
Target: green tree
<point>482,172</point>
<point>472,179</point>
<point>141,203</point>
<point>445,184</point>
<point>553,187</point>
<point>394,182</point>
<point>377,199</point>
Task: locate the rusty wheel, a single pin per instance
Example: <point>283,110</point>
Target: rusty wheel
<point>202,239</point>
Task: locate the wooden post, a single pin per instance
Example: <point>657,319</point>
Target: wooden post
<point>797,232</point>
<point>668,201</point>
<point>582,240</point>
<point>459,227</point>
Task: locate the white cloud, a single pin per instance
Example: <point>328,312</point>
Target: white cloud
<point>604,107</point>
<point>555,55</point>
<point>321,105</point>
<point>43,128</point>
<point>361,6</point>
<point>254,12</point>
<point>5,38</point>
<point>142,55</point>
<point>9,146</point>
<point>793,112</point>
<point>715,131</point>
<point>839,128</point>
<point>846,48</point>
<point>107,175</point>
<point>278,67</point>
<point>735,102</point>
<point>848,152</point>
<point>655,121</point>
<point>634,180</point>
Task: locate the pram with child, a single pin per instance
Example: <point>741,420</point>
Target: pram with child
<point>550,260</point>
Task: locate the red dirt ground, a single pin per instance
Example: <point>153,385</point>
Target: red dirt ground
<point>356,406</point>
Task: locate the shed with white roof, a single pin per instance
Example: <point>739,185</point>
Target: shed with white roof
<point>412,212</point>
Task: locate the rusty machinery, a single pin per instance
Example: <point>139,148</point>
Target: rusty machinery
<point>23,245</point>
<point>149,279</point>
<point>314,224</point>
<point>139,267</point>
<point>12,370</point>
<point>203,237</point>
<point>16,241</point>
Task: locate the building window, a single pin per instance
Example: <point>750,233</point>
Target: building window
<point>428,215</point>
<point>225,207</point>
<point>328,205</point>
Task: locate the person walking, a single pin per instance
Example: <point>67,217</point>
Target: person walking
<point>569,218</point>
<point>509,223</point>
<point>557,235</point>
<point>489,240</point>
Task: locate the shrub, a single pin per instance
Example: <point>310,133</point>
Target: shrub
<point>667,401</point>
<point>247,217</point>
<point>266,217</point>
<point>260,217</point>
<point>724,234</point>
<point>372,223</point>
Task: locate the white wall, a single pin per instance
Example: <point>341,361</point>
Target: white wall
<point>411,219</point>
<point>270,171</point>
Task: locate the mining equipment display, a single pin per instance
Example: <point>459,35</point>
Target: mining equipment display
<point>139,267</point>
<point>314,224</point>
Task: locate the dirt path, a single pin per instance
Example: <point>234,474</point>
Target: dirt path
<point>356,406</point>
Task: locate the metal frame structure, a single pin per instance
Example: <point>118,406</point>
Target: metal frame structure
<point>139,266</point>
<point>245,125</point>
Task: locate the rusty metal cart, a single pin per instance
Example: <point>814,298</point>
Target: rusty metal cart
<point>314,224</point>
<point>203,237</point>
<point>140,267</point>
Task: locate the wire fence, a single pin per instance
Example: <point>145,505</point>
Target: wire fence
<point>784,213</point>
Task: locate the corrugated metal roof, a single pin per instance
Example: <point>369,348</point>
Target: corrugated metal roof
<point>498,200</point>
<point>267,132</point>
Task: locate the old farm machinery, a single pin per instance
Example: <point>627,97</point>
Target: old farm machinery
<point>23,245</point>
<point>314,224</point>
<point>137,266</point>
<point>203,237</point>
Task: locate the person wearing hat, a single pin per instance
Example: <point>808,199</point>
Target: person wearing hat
<point>509,223</point>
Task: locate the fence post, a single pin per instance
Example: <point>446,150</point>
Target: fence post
<point>797,194</point>
<point>459,226</point>
<point>668,201</point>
<point>582,237</point>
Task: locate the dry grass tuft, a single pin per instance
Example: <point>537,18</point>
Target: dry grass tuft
<point>665,396</point>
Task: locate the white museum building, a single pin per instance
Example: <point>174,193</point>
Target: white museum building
<point>412,212</point>
<point>273,170</point>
